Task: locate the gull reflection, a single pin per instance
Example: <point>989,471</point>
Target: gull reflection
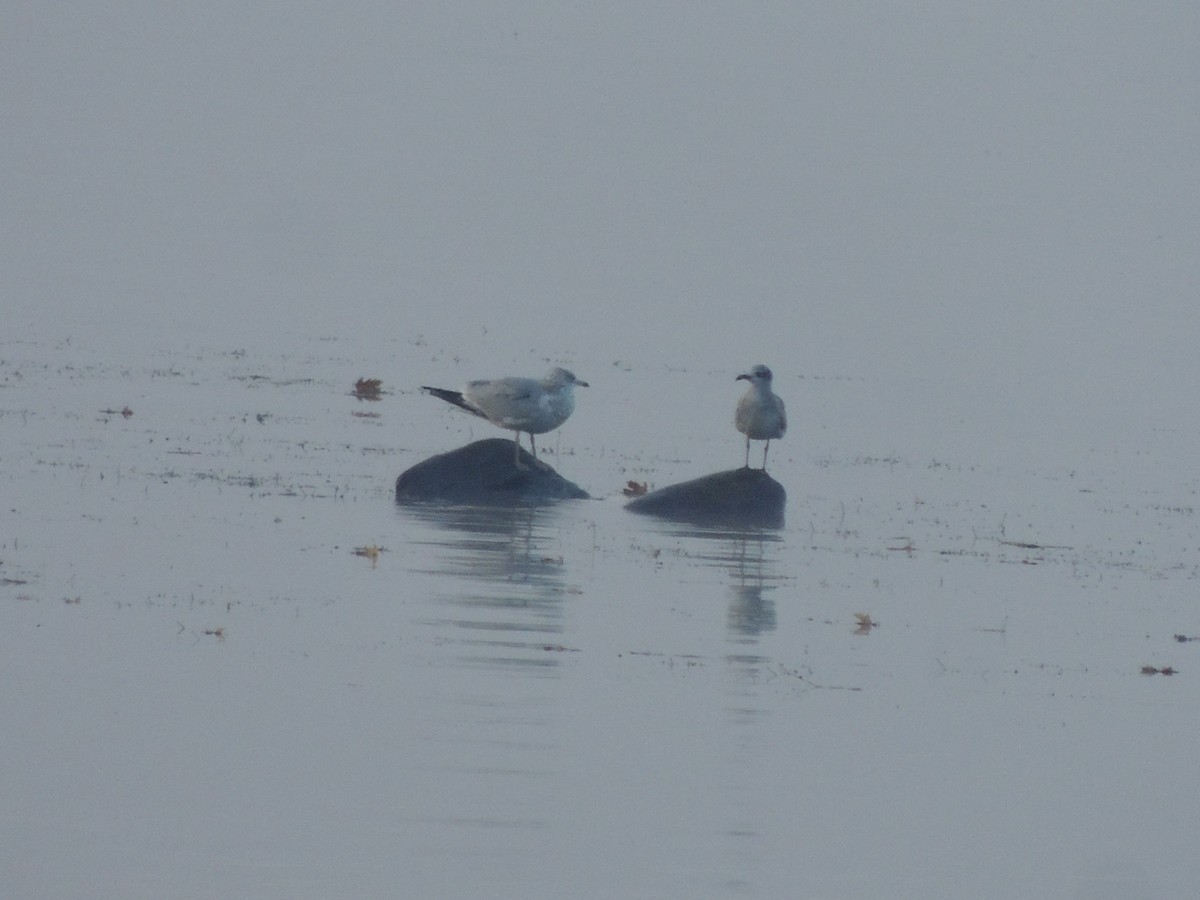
<point>501,577</point>
<point>749,555</point>
<point>751,614</point>
<point>750,558</point>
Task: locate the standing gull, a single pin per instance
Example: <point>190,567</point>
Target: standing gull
<point>525,405</point>
<point>760,415</point>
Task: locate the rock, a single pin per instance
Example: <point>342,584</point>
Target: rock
<point>484,474</point>
<point>740,497</point>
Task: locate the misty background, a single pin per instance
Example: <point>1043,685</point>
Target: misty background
<point>999,193</point>
<point>963,235</point>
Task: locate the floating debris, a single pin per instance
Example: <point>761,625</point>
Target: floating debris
<point>218,633</point>
<point>865,623</point>
<point>1165,670</point>
<point>635,488</point>
<point>125,412</point>
<point>1183,638</point>
<point>1025,545</point>
<point>370,552</point>
<point>368,388</point>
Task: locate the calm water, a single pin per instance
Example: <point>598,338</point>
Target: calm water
<point>963,237</point>
<point>210,694</point>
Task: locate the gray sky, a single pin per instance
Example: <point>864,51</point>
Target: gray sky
<point>977,224</point>
<point>942,189</point>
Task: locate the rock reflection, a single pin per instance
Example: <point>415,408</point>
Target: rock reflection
<point>502,575</point>
<point>483,727</point>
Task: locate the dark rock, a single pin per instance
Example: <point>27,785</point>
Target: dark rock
<point>484,474</point>
<point>740,497</point>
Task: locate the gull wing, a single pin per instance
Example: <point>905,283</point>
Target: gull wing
<point>510,402</point>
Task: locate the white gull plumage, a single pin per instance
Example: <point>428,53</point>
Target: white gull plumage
<point>760,413</point>
<point>529,405</point>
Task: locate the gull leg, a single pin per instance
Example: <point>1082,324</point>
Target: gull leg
<point>536,461</point>
<point>517,452</point>
<point>766,447</point>
<point>747,453</point>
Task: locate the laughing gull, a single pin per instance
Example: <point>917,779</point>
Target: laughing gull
<point>760,415</point>
<point>525,405</point>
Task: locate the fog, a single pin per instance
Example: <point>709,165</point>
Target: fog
<point>1005,190</point>
<point>963,237</point>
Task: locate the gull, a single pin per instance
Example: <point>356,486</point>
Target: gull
<point>529,405</point>
<point>760,414</point>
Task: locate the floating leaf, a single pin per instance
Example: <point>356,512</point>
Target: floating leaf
<point>368,388</point>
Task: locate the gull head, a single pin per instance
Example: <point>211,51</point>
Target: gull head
<point>559,378</point>
<point>760,374</point>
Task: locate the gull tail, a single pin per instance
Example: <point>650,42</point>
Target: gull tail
<point>454,398</point>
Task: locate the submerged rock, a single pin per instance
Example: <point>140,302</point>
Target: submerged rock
<point>484,474</point>
<point>740,497</point>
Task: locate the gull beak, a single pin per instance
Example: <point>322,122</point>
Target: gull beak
<point>743,377</point>
<point>579,383</point>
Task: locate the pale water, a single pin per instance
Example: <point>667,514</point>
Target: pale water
<point>963,238</point>
<point>210,694</point>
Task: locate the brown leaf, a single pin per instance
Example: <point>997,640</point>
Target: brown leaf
<point>368,388</point>
<point>634,488</point>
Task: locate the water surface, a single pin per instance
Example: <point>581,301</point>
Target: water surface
<point>216,695</point>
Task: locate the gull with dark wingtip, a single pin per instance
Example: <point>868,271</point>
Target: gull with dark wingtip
<point>529,405</point>
<point>760,414</point>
